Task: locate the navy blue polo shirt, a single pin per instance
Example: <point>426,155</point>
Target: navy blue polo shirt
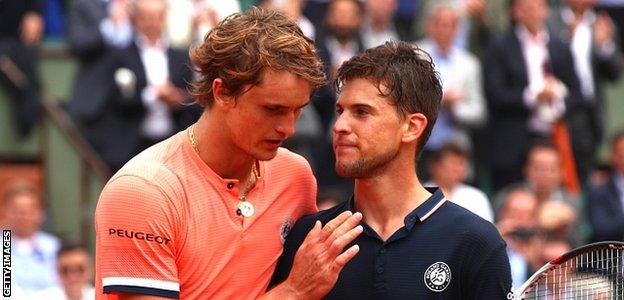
<point>443,252</point>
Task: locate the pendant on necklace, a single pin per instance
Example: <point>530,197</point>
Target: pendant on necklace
<point>245,208</point>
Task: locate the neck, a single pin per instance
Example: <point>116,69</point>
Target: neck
<point>533,30</point>
<point>378,24</point>
<point>227,160</point>
<point>443,48</point>
<point>74,293</point>
<point>385,200</point>
<point>578,11</point>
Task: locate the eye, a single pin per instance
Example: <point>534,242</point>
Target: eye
<point>339,111</point>
<point>360,112</point>
<point>275,110</point>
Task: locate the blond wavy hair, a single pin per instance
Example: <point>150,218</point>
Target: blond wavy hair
<point>240,47</point>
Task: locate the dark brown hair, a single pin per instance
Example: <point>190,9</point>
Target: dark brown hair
<point>408,76</point>
<point>240,47</point>
<point>449,148</point>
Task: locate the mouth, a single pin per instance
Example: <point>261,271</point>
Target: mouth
<point>343,146</point>
<point>274,143</point>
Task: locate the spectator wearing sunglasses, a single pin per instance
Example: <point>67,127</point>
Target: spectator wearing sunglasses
<point>75,275</point>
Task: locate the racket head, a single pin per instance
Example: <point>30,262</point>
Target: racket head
<point>593,271</point>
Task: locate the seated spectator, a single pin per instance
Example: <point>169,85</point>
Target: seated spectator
<point>554,247</point>
<point>449,167</point>
<point>33,251</point>
<point>558,219</point>
<point>543,176</point>
<point>378,25</point>
<point>606,201</point>
<point>463,104</point>
<point>73,266</point>
<point>516,219</point>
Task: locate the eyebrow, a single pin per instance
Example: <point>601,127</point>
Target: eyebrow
<point>284,106</point>
<point>357,105</point>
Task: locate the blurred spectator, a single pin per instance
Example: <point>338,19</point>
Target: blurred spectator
<point>378,25</point>
<point>405,17</point>
<point>309,129</point>
<point>596,60</point>
<point>463,106</point>
<point>557,218</point>
<point>449,167</point>
<point>478,21</point>
<point>559,211</point>
<point>95,28</point>
<point>147,95</point>
<point>188,21</point>
<point>543,175</point>
<point>530,83</point>
<point>606,202</point>
<point>615,8</point>
<point>33,251</point>
<point>315,11</point>
<point>21,29</point>
<point>294,9</point>
<point>553,247</point>
<point>337,41</point>
<point>73,266</point>
<point>516,219</point>
<point>340,38</point>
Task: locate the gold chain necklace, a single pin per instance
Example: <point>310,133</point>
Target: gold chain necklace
<point>245,208</point>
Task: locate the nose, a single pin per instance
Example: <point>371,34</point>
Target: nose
<point>340,124</point>
<point>286,127</point>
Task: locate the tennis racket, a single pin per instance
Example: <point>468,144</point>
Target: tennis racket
<point>594,271</point>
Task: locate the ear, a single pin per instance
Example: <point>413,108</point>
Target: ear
<point>415,125</point>
<point>221,94</point>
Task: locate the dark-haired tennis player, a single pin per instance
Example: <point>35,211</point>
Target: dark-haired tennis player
<point>415,244</point>
<point>203,214</point>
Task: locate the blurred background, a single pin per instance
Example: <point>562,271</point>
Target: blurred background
<point>530,135</point>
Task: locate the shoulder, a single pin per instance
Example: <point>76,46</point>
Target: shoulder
<point>149,177</point>
<point>472,228</point>
<point>305,224</point>
<point>597,192</point>
<point>285,156</point>
<point>467,58</point>
<point>48,242</point>
<point>287,164</point>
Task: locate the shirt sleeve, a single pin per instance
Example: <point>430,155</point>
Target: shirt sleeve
<point>136,237</point>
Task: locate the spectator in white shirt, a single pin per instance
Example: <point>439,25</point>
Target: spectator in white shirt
<point>449,168</point>
<point>33,251</point>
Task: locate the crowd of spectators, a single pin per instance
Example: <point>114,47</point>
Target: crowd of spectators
<point>523,107</point>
